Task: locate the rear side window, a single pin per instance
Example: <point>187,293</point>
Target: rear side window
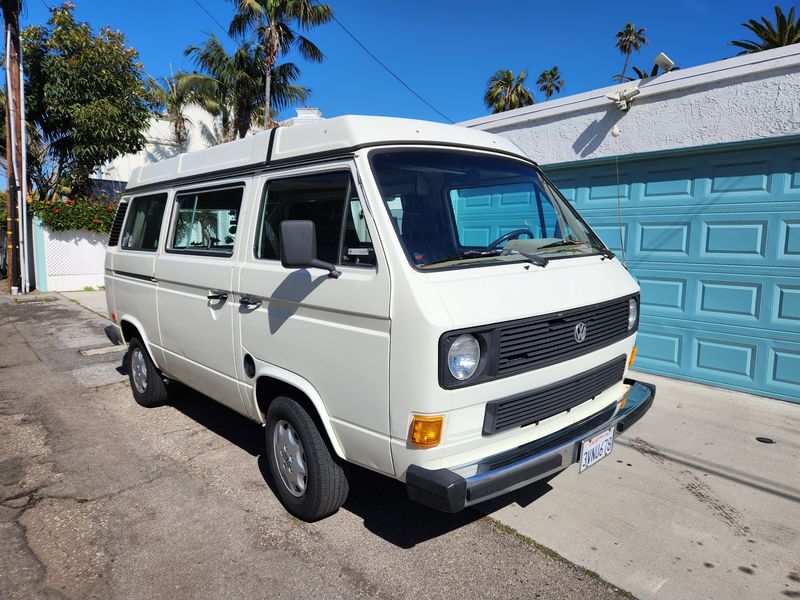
<point>330,201</point>
<point>143,224</point>
<point>206,221</point>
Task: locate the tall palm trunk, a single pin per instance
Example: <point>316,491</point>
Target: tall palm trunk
<point>625,66</point>
<point>271,47</point>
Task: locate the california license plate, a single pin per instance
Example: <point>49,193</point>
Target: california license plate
<point>596,448</point>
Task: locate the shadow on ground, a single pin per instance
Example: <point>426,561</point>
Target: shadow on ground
<point>379,501</point>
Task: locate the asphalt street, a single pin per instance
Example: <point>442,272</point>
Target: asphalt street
<point>100,498</point>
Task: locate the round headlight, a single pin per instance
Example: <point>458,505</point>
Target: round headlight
<point>463,357</point>
<point>633,313</point>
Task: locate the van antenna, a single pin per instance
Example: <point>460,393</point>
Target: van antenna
<point>619,214</point>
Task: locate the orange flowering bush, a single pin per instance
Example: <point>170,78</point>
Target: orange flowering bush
<point>95,213</point>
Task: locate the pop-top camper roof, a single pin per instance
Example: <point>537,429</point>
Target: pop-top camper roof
<point>311,139</point>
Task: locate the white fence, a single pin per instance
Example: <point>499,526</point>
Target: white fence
<point>72,260</point>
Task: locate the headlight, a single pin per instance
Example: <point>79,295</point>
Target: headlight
<point>463,357</point>
<point>633,313</point>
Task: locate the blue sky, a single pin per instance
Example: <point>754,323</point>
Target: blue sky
<point>445,50</point>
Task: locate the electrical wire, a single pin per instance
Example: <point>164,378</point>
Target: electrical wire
<point>392,73</point>
<point>213,18</point>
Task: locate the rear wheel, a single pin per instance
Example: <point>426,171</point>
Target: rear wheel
<point>146,382</point>
<point>308,481</point>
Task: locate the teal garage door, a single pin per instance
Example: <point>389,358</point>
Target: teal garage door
<point>714,239</point>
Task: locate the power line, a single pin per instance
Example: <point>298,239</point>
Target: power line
<point>388,70</point>
<point>213,18</point>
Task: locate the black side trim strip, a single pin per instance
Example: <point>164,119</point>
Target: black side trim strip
<point>135,276</point>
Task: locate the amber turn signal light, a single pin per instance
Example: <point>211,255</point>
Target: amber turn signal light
<point>426,431</point>
<point>632,358</point>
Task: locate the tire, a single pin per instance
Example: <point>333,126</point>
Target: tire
<point>306,478</point>
<point>147,386</point>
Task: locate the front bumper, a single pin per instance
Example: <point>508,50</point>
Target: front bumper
<point>451,490</point>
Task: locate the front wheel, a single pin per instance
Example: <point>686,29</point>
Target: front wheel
<point>146,383</point>
<point>308,481</point>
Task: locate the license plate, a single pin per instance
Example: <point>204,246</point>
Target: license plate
<point>596,448</point>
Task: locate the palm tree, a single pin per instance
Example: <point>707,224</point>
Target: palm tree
<point>783,32</point>
<point>506,92</point>
<point>629,39</point>
<point>272,22</point>
<point>173,95</point>
<point>234,85</point>
<point>550,82</point>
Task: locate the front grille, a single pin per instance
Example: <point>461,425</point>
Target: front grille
<point>116,226</point>
<point>539,404</point>
<point>540,341</point>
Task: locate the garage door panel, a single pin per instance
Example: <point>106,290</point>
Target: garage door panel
<point>714,240</point>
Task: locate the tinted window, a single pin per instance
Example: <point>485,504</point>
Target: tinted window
<point>143,225</point>
<point>330,201</point>
<point>207,221</point>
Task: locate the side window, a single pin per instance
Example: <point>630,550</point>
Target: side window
<point>330,201</point>
<point>357,249</point>
<point>206,221</point>
<point>143,225</point>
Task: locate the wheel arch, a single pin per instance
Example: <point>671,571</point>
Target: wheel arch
<point>131,327</point>
<point>273,382</point>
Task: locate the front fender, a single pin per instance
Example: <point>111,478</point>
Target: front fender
<point>294,380</point>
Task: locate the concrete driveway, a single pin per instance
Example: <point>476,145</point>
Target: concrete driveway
<point>139,501</point>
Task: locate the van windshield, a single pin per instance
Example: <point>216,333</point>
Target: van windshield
<point>458,209</point>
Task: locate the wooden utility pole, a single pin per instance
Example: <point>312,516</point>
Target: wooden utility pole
<point>14,124</point>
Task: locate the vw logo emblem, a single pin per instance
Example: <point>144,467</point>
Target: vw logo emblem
<point>580,332</point>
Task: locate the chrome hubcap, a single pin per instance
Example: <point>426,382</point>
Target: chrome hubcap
<point>290,458</point>
<point>138,370</point>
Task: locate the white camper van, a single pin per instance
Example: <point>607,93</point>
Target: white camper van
<point>414,298</point>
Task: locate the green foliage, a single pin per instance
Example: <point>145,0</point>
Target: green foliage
<point>550,82</point>
<point>232,86</point>
<point>504,91</point>
<point>276,24</point>
<point>86,101</point>
<point>629,39</point>
<point>95,213</point>
<point>173,95</point>
<point>3,210</point>
<point>783,32</point>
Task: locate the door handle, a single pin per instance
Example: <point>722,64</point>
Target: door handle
<point>217,295</point>
<point>249,303</point>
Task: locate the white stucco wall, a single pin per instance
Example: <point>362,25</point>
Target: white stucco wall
<point>161,144</point>
<point>743,98</point>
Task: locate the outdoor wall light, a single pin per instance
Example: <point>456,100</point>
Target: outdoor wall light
<point>664,61</point>
<point>622,98</point>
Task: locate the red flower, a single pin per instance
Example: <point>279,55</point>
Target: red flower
<point>95,220</point>
<point>57,210</point>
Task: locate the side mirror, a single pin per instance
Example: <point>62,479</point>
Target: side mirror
<point>299,247</point>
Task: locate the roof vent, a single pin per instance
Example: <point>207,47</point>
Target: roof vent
<point>305,115</point>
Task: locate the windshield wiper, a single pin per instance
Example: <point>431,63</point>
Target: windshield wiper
<point>563,243</point>
<point>604,252</point>
<point>464,255</point>
<point>532,258</point>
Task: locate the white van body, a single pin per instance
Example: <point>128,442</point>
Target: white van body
<point>365,352</point>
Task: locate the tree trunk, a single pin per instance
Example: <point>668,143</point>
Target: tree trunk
<point>270,56</point>
<point>625,66</point>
